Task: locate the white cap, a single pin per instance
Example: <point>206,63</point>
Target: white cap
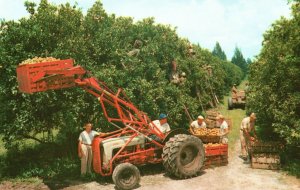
<point>200,117</point>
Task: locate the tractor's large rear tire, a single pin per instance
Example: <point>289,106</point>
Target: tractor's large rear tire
<point>230,104</point>
<point>183,156</point>
<point>126,176</point>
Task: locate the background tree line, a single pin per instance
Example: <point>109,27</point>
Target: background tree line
<point>237,58</point>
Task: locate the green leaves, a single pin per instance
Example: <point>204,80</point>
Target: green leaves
<point>275,80</point>
<point>218,52</point>
<point>101,44</point>
<point>239,60</point>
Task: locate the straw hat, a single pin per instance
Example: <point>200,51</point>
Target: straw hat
<point>253,116</point>
<point>220,117</point>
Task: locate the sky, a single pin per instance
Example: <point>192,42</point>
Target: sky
<point>233,23</point>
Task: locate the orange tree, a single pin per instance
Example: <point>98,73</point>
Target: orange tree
<point>133,55</point>
<point>275,81</point>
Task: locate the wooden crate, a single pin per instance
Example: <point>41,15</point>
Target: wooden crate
<point>214,124</point>
<point>210,139</point>
<point>210,123</point>
<point>212,114</point>
<point>215,161</point>
<point>216,150</point>
<point>266,166</point>
<point>264,147</point>
<point>269,161</point>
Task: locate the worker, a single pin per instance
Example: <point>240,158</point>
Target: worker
<point>246,130</point>
<point>224,130</point>
<point>234,89</point>
<point>136,51</point>
<point>85,148</point>
<point>174,76</point>
<point>162,125</point>
<point>199,123</point>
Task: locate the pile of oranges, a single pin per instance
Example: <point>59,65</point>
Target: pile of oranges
<point>38,60</point>
<point>206,132</point>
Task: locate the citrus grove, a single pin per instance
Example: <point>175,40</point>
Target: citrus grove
<point>159,71</point>
<point>137,56</point>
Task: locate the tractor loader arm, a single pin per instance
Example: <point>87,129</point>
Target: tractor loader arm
<point>40,77</point>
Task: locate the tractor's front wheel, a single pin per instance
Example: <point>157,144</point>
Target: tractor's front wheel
<point>183,156</point>
<point>126,176</point>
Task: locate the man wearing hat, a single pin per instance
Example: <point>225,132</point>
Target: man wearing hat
<point>85,148</point>
<point>199,123</point>
<point>162,123</point>
<point>247,127</point>
<point>223,129</point>
<point>234,89</point>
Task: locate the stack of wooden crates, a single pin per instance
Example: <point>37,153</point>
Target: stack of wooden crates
<point>211,118</point>
<point>216,153</point>
<point>265,155</point>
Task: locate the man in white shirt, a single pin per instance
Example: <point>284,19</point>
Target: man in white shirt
<point>85,148</point>
<point>223,129</point>
<point>161,124</point>
<point>247,126</point>
<point>199,123</point>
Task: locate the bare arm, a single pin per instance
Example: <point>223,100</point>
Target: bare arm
<point>226,131</point>
<point>245,129</point>
<point>192,127</point>
<point>79,149</point>
<point>225,128</point>
<point>247,133</point>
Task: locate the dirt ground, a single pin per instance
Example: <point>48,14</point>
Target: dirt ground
<point>8,185</point>
<point>235,176</point>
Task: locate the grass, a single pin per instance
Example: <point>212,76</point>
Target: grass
<point>236,115</point>
<point>2,148</point>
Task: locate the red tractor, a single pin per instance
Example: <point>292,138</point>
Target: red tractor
<point>119,152</point>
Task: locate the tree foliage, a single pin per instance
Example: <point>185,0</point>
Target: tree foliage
<point>249,61</point>
<point>218,52</point>
<point>107,46</point>
<point>239,60</point>
<point>275,80</point>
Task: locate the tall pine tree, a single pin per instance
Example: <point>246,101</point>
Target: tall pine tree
<point>249,61</point>
<point>239,60</point>
<point>218,52</point>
